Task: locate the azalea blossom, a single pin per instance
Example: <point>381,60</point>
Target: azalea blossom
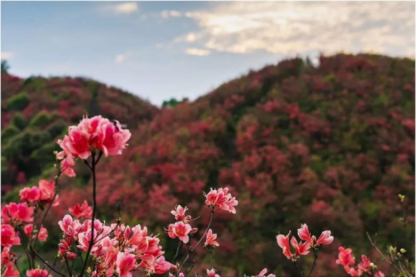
<point>210,239</point>
<point>30,194</point>
<point>43,233</point>
<point>179,213</point>
<point>345,257</point>
<point>283,242</point>
<point>179,230</point>
<point>211,273</point>
<point>38,273</point>
<point>263,274</point>
<point>222,199</point>
<point>17,213</point>
<point>301,248</point>
<point>9,236</point>
<point>96,133</point>
<point>125,264</point>
<point>324,238</point>
<point>81,211</point>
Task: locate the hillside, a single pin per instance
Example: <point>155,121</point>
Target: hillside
<point>330,145</point>
<point>36,111</point>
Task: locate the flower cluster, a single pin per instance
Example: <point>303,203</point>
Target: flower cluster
<point>42,194</point>
<point>91,134</point>
<point>364,268</point>
<point>81,211</point>
<point>18,218</point>
<point>302,248</point>
<point>180,229</point>
<point>117,248</point>
<point>222,199</point>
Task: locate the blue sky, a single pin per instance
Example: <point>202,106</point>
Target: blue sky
<point>159,50</point>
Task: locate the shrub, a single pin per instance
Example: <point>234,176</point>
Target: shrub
<point>18,102</point>
<point>19,121</point>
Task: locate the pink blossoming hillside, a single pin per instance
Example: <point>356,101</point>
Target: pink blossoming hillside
<point>330,145</point>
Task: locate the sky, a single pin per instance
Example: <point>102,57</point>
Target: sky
<point>163,50</point>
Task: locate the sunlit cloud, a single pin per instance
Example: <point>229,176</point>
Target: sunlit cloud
<point>6,55</point>
<point>299,27</point>
<point>197,52</point>
<point>123,8</point>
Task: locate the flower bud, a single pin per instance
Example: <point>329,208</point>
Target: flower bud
<point>403,250</point>
<point>401,197</point>
<point>373,266</point>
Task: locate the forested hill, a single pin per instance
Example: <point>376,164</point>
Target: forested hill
<point>329,145</point>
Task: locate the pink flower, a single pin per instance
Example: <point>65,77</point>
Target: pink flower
<point>300,248</point>
<point>222,199</point>
<point>9,236</point>
<point>111,138</point>
<point>304,234</point>
<point>162,266</point>
<point>324,238</point>
<point>80,211</point>
<point>47,190</point>
<point>364,266</point>
<point>37,273</point>
<point>181,230</point>
<point>65,248</point>
<point>11,271</point>
<point>76,143</point>
<point>179,213</point>
<point>171,231</point>
<point>211,273</point>
<point>283,242</point>
<point>67,165</point>
<point>210,239</point>
<point>17,213</point>
<point>125,264</point>
<point>139,235</point>
<point>345,257</point>
<point>29,194</point>
<point>6,256</point>
<point>43,234</point>
<point>263,274</point>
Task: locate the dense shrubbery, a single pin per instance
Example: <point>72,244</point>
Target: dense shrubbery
<point>332,145</point>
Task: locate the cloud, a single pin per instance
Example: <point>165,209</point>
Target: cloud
<point>121,57</point>
<point>123,8</point>
<point>197,52</point>
<point>167,14</point>
<point>299,27</point>
<point>6,55</point>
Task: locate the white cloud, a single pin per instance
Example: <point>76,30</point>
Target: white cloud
<point>197,52</point>
<point>120,58</point>
<point>123,8</point>
<point>6,55</point>
<point>167,14</point>
<point>299,27</point>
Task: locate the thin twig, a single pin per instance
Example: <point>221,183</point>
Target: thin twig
<point>192,249</point>
<point>190,269</point>
<point>177,251</point>
<point>94,209</point>
<point>315,254</point>
<point>67,266</point>
<point>47,264</point>
<point>297,267</point>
